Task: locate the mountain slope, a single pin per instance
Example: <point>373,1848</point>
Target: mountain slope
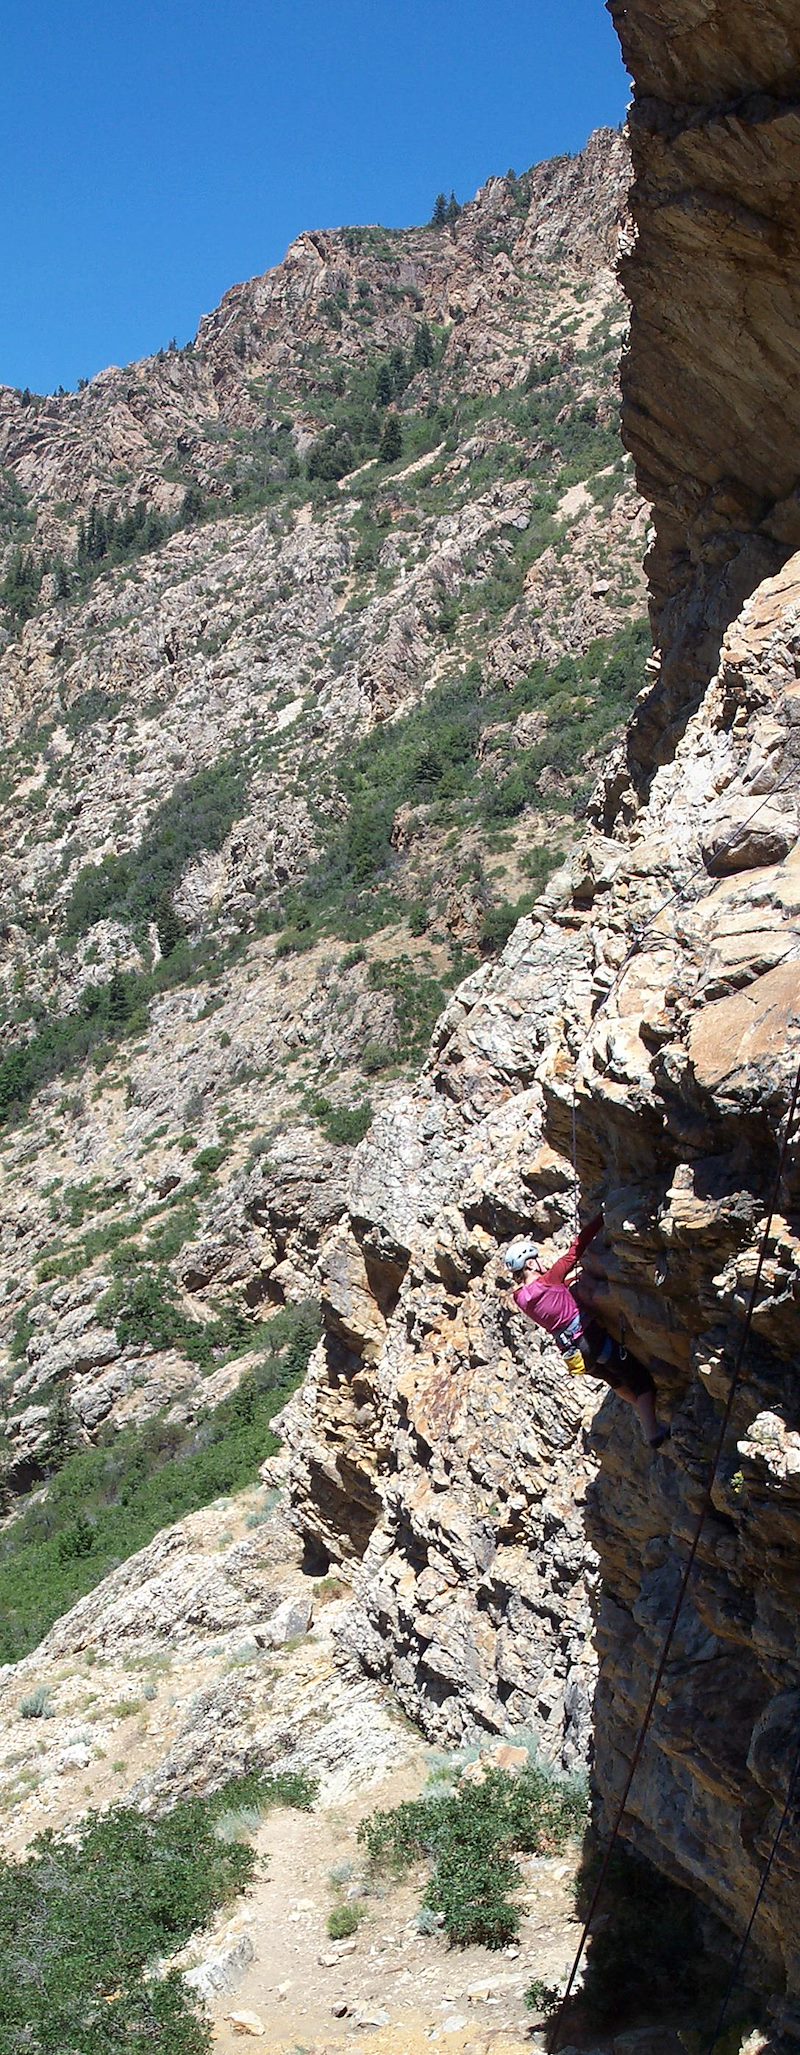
<point>281,764</point>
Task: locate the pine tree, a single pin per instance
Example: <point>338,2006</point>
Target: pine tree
<point>422,347</point>
<point>453,210</point>
<point>193,506</point>
<point>119,1004</point>
<point>439,215</point>
<point>169,926</point>
<point>391,441</point>
<point>383,384</point>
<point>400,373</point>
<point>61,1432</point>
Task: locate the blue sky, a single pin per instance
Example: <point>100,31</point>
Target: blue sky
<point>151,155</point>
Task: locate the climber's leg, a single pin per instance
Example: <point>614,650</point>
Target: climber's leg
<point>633,1383</point>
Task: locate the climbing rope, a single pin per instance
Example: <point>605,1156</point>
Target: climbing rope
<point>765,1875</point>
<point>705,1508</point>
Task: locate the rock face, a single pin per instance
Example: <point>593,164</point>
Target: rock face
<point>651,1009</point>
<point>148,430</point>
<point>495,1503</point>
<point>712,411</point>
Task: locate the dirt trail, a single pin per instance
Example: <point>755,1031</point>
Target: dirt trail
<point>403,1991</point>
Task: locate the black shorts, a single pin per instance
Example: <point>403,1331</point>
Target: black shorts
<point>618,1369</point>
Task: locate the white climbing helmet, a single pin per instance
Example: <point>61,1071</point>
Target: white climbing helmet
<point>520,1252</point>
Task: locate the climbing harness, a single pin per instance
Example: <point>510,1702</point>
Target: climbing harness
<point>554,2036</point>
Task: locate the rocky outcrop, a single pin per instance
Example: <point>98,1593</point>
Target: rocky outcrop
<point>709,387</point>
<point>635,1046</point>
<point>654,1000</point>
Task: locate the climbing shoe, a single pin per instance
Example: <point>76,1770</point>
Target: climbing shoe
<point>662,1435</point>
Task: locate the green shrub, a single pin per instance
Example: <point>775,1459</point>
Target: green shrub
<point>470,1836</point>
<point>22,1332</point>
<point>344,1920</point>
<point>418,1001</point>
<point>208,1160</point>
<point>81,1918</point>
<point>543,1998</point>
<point>343,1125</point>
<point>37,1705</point>
<point>375,1057</point>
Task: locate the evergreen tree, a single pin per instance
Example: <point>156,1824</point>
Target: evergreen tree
<point>383,384</point>
<point>391,441</point>
<point>400,373</point>
<point>20,587</point>
<point>331,456</point>
<point>154,531</point>
<point>439,215</point>
<point>119,1004</point>
<point>453,210</point>
<point>169,926</point>
<point>61,1432</point>
<point>193,505</point>
<point>422,348</point>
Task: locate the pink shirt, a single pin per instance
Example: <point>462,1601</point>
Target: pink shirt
<point>548,1300</point>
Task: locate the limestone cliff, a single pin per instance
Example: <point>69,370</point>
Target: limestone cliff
<point>656,992</point>
<point>713,275</point>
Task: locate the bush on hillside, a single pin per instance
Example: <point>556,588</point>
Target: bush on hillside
<point>84,1917</point>
<point>470,1836</point>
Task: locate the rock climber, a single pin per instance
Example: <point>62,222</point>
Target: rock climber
<point>545,1297</point>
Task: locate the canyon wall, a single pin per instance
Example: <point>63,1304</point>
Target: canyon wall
<point>711,402</point>
<point>650,1008</point>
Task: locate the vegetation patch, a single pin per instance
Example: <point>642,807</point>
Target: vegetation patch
<point>343,1125</point>
<point>83,1920</point>
<point>137,887</point>
<point>470,1835</point>
<point>431,759</point>
<point>345,1920</point>
<point>109,1501</point>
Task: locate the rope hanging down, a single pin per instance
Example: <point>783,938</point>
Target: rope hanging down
<point>765,1875</point>
<point>705,1508</point>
